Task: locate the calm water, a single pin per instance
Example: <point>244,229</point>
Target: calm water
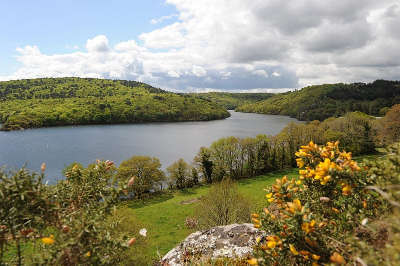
<point>60,146</point>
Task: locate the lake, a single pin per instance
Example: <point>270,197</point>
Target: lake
<point>60,146</point>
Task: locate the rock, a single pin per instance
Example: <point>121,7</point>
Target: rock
<point>232,241</point>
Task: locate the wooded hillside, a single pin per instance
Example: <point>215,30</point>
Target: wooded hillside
<point>72,101</point>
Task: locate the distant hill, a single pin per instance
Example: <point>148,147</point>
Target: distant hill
<point>32,103</point>
<point>231,101</point>
<point>322,101</point>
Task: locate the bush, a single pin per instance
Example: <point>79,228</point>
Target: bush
<point>143,174</point>
<point>65,224</point>
<point>180,174</point>
<point>378,241</point>
<point>222,205</point>
<point>309,218</point>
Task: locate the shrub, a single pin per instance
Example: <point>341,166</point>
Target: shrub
<point>389,126</point>
<point>180,174</point>
<point>378,241</point>
<point>308,218</point>
<point>144,174</point>
<point>64,224</point>
<point>24,209</point>
<point>222,205</point>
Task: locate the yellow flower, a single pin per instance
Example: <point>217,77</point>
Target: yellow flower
<point>88,254</point>
<point>308,227</point>
<point>300,162</point>
<point>269,195</point>
<point>255,215</point>
<point>337,258</point>
<point>325,180</point>
<point>346,190</point>
<point>315,257</point>
<point>294,206</point>
<point>252,261</point>
<point>335,210</point>
<point>48,240</point>
<point>271,244</point>
<point>298,182</point>
<point>293,250</point>
<point>271,200</point>
<point>256,221</point>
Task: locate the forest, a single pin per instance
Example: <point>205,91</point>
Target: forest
<point>47,102</point>
<point>322,101</point>
<point>230,100</point>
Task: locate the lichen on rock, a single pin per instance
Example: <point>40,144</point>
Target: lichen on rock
<point>230,241</point>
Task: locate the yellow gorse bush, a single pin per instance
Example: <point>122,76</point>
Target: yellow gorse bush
<point>305,216</point>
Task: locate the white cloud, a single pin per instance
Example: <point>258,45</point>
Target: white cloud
<point>276,74</point>
<point>162,19</point>
<point>261,72</point>
<point>98,44</point>
<point>243,45</point>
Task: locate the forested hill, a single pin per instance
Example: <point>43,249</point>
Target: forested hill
<point>322,101</point>
<point>230,100</point>
<point>45,102</point>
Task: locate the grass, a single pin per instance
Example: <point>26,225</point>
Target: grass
<point>164,216</point>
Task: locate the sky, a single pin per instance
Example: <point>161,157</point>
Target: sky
<point>203,45</point>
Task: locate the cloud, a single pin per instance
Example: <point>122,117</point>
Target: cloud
<point>162,19</point>
<point>242,45</point>
<point>98,44</point>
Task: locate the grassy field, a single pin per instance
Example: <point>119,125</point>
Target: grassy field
<point>164,216</point>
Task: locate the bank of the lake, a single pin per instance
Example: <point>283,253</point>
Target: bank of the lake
<point>60,146</point>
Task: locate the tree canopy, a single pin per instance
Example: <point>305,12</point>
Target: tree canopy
<point>45,102</point>
<point>322,101</point>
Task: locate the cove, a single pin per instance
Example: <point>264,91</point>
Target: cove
<point>60,146</point>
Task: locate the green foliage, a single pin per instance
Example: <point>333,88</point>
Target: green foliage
<point>63,224</point>
<point>378,241</point>
<point>142,174</point>
<point>202,159</point>
<point>231,101</point>
<point>246,157</point>
<point>75,101</point>
<point>24,207</point>
<point>389,126</point>
<point>122,222</point>
<point>322,101</point>
<point>180,174</point>
<point>222,205</point>
<point>308,219</point>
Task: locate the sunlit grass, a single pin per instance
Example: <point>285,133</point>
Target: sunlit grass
<point>164,216</point>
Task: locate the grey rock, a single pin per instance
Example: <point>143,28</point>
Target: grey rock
<point>232,241</point>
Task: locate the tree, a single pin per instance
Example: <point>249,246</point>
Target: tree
<point>390,131</point>
<point>179,174</point>
<point>143,174</point>
<point>205,164</point>
<point>195,176</point>
<point>223,205</point>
